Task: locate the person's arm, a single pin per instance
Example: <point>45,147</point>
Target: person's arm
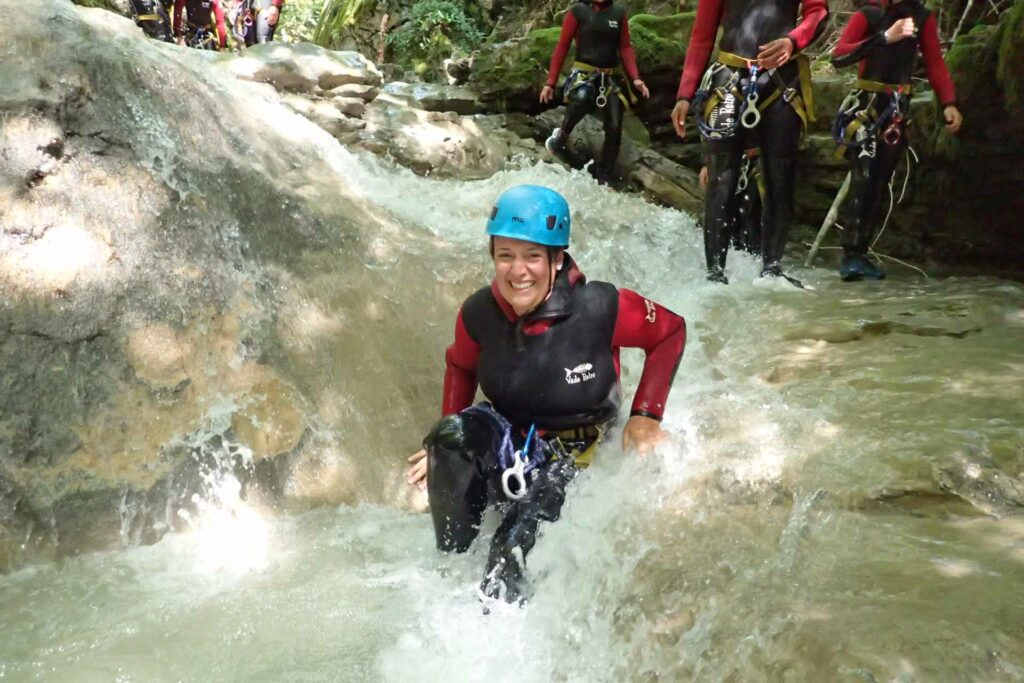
<point>562,48</point>
<point>855,44</point>
<point>179,10</point>
<point>643,324</point>
<point>935,65</point>
<point>626,51</point>
<point>222,31</point>
<point>814,12</point>
<point>460,361</point>
<point>702,39</point>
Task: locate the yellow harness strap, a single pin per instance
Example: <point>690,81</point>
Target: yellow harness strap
<point>875,86</point>
<point>147,17</point>
<point>626,94</point>
<point>585,457</point>
<point>802,102</point>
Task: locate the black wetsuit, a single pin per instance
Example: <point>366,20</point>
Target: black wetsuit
<point>258,12</point>
<point>747,25</point>
<point>876,147</point>
<point>151,16</point>
<point>601,32</point>
<point>555,370</point>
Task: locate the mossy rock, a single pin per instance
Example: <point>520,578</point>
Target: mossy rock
<point>971,63</point>
<point>1010,59</point>
<point>509,75</point>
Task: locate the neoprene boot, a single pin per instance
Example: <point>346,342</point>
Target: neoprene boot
<point>859,267</point>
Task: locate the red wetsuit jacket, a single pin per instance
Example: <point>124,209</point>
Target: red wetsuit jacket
<point>742,36</point>
<point>863,41</point>
<point>201,13</point>
<point>569,32</point>
<point>639,323</point>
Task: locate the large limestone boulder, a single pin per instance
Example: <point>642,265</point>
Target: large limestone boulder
<point>436,97</point>
<point>303,67</point>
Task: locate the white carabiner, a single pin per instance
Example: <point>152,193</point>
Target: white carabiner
<point>517,472</point>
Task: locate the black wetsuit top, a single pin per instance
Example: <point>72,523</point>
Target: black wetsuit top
<point>597,34</point>
<point>563,378</point>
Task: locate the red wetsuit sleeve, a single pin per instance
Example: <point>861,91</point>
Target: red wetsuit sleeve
<point>855,44</point>
<point>626,51</point>
<point>935,66</point>
<point>641,323</point>
<point>277,3</point>
<point>702,39</point>
<point>179,10</point>
<point>222,32</point>
<point>562,48</point>
<point>814,12</point>
<point>460,371</point>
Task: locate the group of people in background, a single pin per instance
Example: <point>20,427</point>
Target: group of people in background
<point>753,100</point>
<point>205,24</point>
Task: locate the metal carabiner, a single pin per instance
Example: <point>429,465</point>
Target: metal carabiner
<point>750,116</point>
<point>892,135</point>
<point>517,472</point>
<point>741,184</point>
<point>602,94</point>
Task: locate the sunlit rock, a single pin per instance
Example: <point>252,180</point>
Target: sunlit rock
<point>157,354</point>
<point>303,67</point>
<point>436,97</point>
<point>270,424</point>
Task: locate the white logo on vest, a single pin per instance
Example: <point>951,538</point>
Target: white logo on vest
<point>580,373</point>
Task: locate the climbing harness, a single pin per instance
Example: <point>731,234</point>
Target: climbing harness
<point>750,115</point>
<point>242,18</point>
<point>518,470</point>
<point>602,80</point>
<point>859,126</point>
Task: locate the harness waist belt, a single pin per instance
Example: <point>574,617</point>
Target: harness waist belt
<point>875,86</point>
<point>583,66</point>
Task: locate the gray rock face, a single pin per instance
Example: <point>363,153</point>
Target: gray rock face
<point>436,97</point>
<point>303,67</point>
<point>154,248</point>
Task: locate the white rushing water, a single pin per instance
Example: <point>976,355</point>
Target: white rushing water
<point>800,524</point>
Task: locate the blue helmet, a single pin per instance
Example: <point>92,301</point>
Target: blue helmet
<point>533,214</point>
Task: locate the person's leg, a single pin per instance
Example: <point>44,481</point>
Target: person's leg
<point>866,203</point>
<point>517,534</point>
<point>779,134</point>
<point>264,31</point>
<point>612,115</point>
<point>580,103</point>
<point>460,459</point>
<point>723,161</point>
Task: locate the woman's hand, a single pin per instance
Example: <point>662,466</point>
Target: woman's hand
<point>273,14</point>
<point>774,54</point>
<point>639,84</point>
<point>641,434</point>
<point>901,29</point>
<point>546,93</point>
<point>953,119</point>
<point>679,113</point>
<point>416,475</point>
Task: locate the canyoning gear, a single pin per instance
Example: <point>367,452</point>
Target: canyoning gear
<point>774,104</point>
<point>249,20</point>
<point>743,37</point>
<point>638,322</point>
<point>746,226</point>
<point>531,213</point>
<point>872,123</point>
<point>203,15</point>
<point>596,84</point>
<point>892,64</point>
<point>465,469</point>
<point>151,17</point>
<point>562,378</point>
<point>859,267</point>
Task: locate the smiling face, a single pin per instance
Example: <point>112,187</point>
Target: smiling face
<point>523,272</point>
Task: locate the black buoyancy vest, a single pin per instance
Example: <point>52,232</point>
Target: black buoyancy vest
<point>748,24</point>
<point>893,63</point>
<point>597,34</point>
<point>564,377</point>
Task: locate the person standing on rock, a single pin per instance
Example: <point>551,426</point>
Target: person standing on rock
<point>872,121</point>
<point>203,15</point>
<point>542,342</point>
<point>255,21</point>
<point>595,84</point>
<point>755,93</point>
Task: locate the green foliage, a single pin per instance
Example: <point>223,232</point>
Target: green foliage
<point>299,20</point>
<point>660,42</point>
<point>1010,66</point>
<point>518,65</point>
<point>336,16</point>
<point>431,31</point>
